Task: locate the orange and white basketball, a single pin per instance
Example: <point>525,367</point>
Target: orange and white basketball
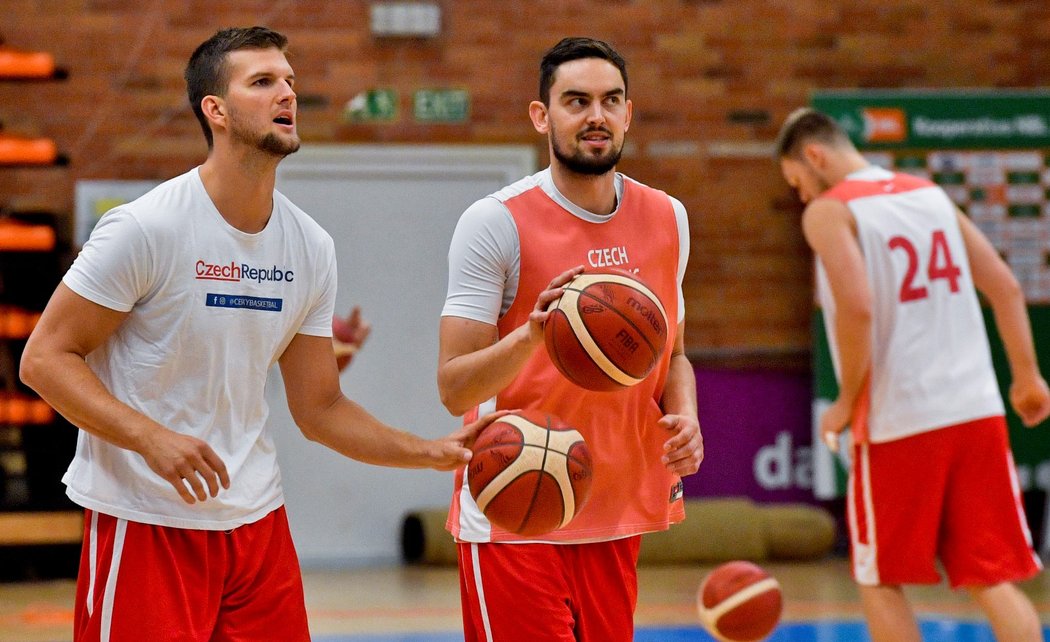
<point>739,602</point>
<point>607,331</point>
<point>530,473</point>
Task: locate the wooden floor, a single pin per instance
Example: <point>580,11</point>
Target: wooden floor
<point>420,599</point>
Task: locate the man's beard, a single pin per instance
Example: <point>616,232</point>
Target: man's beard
<point>273,144</point>
<point>585,164</point>
<point>269,142</point>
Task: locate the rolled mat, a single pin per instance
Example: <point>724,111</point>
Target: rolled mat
<point>715,530</point>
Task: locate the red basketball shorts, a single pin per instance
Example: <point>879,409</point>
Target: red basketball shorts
<point>549,592</point>
<point>143,582</point>
<point>949,494</point>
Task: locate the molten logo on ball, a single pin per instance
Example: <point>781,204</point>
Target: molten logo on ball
<point>530,473</point>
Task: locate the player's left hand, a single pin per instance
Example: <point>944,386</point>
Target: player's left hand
<point>684,451</point>
<point>452,451</point>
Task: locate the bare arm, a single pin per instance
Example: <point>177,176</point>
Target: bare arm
<point>993,278</point>
<point>830,231</point>
<point>474,364</point>
<point>53,364</point>
<point>326,416</point>
<point>685,449</point>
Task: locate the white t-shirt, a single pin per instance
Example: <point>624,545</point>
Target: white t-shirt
<point>211,310</point>
<point>484,257</point>
<point>931,366</point>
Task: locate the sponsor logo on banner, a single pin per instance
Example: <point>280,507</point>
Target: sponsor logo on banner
<point>884,125</point>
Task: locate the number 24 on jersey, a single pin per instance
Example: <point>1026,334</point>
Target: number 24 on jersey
<point>940,266</point>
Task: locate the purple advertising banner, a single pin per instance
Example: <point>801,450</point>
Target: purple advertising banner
<point>757,435</point>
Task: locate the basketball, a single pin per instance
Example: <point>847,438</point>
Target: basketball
<point>530,473</point>
<point>739,602</point>
<point>607,332</point>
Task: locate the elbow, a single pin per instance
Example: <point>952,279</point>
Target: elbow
<point>30,369</point>
<point>454,406</point>
<point>452,401</point>
<point>450,395</point>
<point>1007,292</point>
<point>858,313</point>
<point>309,432</point>
<point>306,426</point>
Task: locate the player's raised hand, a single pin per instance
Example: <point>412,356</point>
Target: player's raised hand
<point>348,335</point>
<point>187,463</point>
<point>1030,398</point>
<point>452,451</point>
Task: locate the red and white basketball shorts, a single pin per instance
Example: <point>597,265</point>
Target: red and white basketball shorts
<point>948,494</point>
<point>143,582</point>
<point>549,592</point>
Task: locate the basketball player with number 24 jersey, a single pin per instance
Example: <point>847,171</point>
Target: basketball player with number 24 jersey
<point>898,267</point>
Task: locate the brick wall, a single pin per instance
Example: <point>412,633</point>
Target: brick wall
<point>711,80</point>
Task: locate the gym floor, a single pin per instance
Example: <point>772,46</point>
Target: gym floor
<point>421,604</point>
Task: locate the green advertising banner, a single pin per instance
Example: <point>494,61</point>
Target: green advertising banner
<point>973,119</point>
<point>990,151</point>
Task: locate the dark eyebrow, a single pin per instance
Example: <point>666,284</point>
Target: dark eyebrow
<point>576,93</point>
<point>269,74</point>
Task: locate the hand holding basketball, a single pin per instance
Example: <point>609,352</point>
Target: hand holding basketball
<point>739,602</point>
<point>453,451</point>
<point>555,289</point>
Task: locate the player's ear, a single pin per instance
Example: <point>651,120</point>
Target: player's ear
<point>539,116</point>
<point>815,154</point>
<point>214,109</point>
<point>627,119</point>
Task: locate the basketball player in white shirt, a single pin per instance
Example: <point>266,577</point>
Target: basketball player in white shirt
<point>932,475</point>
<point>157,345</point>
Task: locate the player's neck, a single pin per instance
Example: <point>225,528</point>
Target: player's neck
<point>241,187</point>
<point>596,194</point>
<point>845,165</point>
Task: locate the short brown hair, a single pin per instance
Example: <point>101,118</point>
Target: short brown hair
<point>804,125</point>
<point>569,49</point>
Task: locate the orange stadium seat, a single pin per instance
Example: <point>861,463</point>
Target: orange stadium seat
<point>21,150</point>
<point>16,236</point>
<point>15,63</point>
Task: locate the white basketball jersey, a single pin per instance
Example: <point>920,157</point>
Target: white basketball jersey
<point>931,365</point>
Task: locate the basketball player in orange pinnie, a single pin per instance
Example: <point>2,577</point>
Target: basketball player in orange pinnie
<point>933,477</point>
<point>157,345</point>
<point>510,256</point>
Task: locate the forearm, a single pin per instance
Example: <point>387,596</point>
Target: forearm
<point>853,336</point>
<point>1011,319</point>
<point>347,428</point>
<point>65,381</point>
<point>679,396</point>
<point>471,378</point>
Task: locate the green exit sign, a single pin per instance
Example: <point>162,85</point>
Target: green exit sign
<point>372,105</point>
<point>441,105</point>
